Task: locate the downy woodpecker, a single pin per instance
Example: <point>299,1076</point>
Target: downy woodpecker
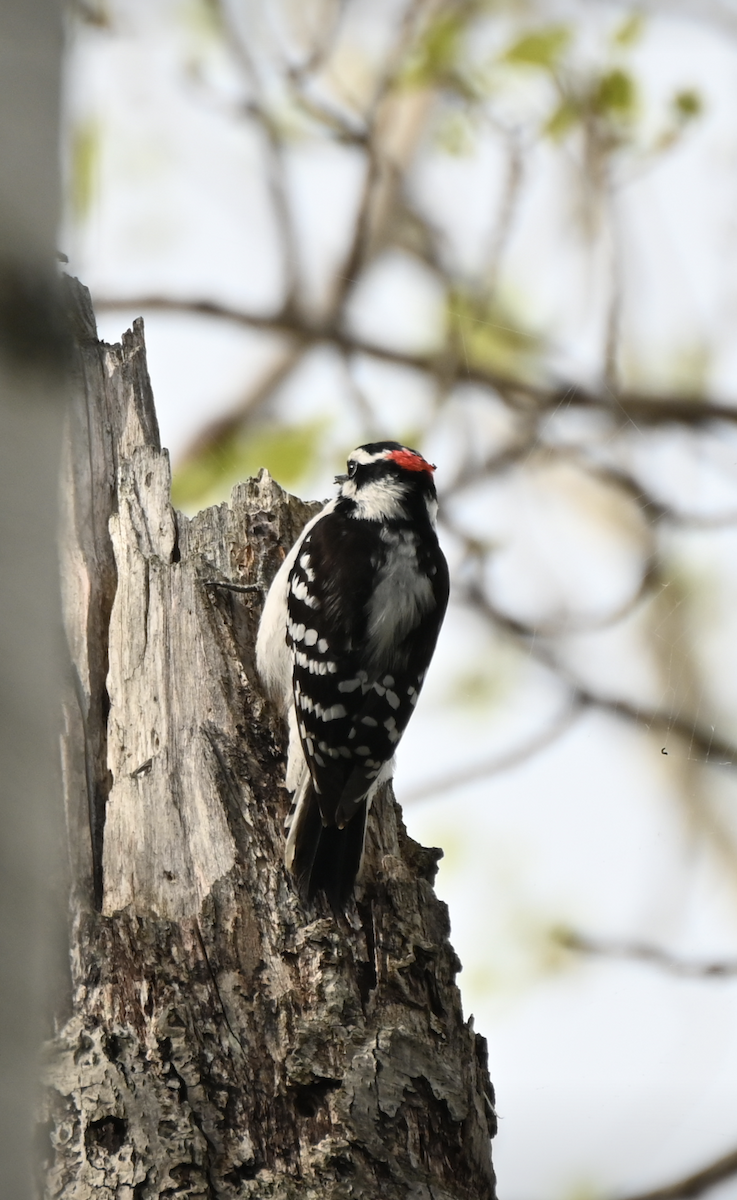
<point>346,636</point>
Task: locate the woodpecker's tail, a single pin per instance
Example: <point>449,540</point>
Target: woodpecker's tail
<point>324,857</point>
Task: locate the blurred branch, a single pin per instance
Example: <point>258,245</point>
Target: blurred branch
<point>629,406</point>
<point>323,46</point>
<point>217,431</point>
<point>719,13</point>
<point>475,595</point>
<point>503,762</point>
<point>616,285</point>
<point>275,168</point>
<point>507,213</point>
<point>653,509</point>
<point>704,746</point>
<point>390,142</point>
<point>696,1184</point>
<point>643,952</point>
<point>299,77</point>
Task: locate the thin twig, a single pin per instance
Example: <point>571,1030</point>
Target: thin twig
<point>502,762</point>
<point>275,169</point>
<point>703,746</point>
<point>644,952</point>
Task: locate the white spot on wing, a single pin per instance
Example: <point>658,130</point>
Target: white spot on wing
<point>300,590</point>
<point>349,685</point>
<point>334,713</point>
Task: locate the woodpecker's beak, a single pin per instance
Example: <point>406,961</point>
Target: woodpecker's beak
<point>340,479</point>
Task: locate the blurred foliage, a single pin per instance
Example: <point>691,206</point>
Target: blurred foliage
<point>688,104</point>
<point>455,133</point>
<point>614,94</point>
<point>438,57</point>
<point>542,48</point>
<point>435,57</point>
<point>477,690</point>
<point>84,157</point>
<point>685,371</point>
<point>630,31</point>
<point>207,477</point>
<point>489,336</point>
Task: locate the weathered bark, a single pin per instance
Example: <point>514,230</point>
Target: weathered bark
<point>225,1040</point>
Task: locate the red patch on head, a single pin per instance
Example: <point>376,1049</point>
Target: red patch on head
<point>410,461</point>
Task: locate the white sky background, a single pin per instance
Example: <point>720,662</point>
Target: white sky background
<point>611,1077</point>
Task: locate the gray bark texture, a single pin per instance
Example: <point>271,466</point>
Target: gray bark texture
<point>225,1040</point>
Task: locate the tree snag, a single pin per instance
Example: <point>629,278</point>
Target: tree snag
<point>223,1039</point>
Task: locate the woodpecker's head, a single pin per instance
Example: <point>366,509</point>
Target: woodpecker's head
<point>386,481</point>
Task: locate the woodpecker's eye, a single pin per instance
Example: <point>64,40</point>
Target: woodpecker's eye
<point>352,468</point>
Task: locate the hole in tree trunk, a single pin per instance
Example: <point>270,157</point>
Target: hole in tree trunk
<point>108,1133</point>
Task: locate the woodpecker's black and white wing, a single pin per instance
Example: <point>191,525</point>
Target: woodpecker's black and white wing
<point>358,667</point>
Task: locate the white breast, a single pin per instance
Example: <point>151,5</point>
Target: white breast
<point>402,595</point>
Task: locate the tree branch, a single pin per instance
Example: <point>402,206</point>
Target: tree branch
<point>630,406</point>
<point>644,952</point>
<point>495,766</point>
<point>704,746</point>
<point>694,1185</point>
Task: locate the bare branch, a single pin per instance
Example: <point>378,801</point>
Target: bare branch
<point>216,431</point>
<point>694,1185</point>
<point>503,762</point>
<point>473,594</point>
<point>704,745</point>
<point>508,211</point>
<point>275,168</point>
<point>635,407</point>
<point>644,952</point>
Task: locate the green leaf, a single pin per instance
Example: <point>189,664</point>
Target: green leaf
<point>288,453</point>
<point>542,48</point>
<point>630,31</point>
<point>437,53</point>
<point>615,94</point>
<point>85,157</point>
<point>687,104</point>
<point>564,118</point>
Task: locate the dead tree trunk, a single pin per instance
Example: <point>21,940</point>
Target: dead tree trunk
<point>225,1041</point>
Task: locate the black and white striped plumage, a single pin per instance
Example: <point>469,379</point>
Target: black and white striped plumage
<point>346,636</point>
